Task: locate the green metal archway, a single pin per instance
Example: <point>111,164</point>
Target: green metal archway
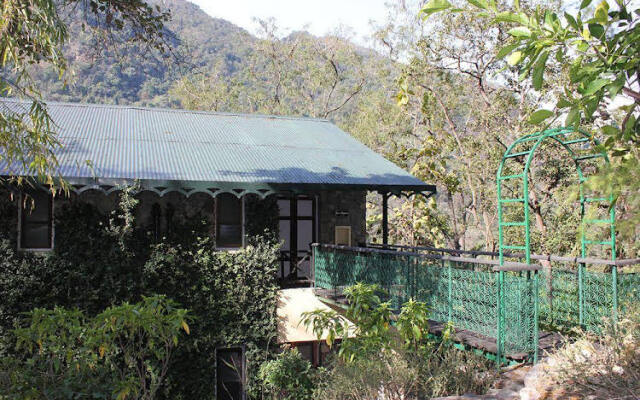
<point>513,174</point>
<point>578,145</point>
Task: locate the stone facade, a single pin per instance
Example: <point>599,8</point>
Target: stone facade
<point>334,208</point>
<point>342,208</point>
<point>172,207</point>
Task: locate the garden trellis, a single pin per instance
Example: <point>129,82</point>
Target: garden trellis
<point>499,297</point>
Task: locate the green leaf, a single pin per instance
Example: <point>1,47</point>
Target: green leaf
<point>434,6</point>
<point>563,103</point>
<point>594,86</point>
<point>539,116</point>
<point>514,58</point>
<point>538,70</point>
<point>506,50</point>
<point>573,117</point>
<point>585,4</point>
<point>596,30</point>
<point>572,21</point>
<point>520,32</point>
<point>601,14</point>
<point>507,16</point>
<point>480,4</point>
<point>610,130</point>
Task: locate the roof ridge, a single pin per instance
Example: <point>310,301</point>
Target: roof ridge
<point>173,110</point>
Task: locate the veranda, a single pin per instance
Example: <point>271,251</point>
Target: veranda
<point>498,302</point>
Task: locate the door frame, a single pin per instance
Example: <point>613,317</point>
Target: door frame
<point>293,254</point>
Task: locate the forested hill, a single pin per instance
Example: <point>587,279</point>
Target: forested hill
<point>134,76</point>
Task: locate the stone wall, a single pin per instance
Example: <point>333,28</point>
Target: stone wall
<point>334,208</point>
<point>347,208</point>
<point>173,207</point>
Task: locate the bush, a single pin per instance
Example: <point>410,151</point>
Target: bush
<point>233,296</point>
<point>123,352</point>
<point>104,259</point>
<point>288,377</point>
<point>602,367</point>
<point>401,360</point>
<point>386,375</point>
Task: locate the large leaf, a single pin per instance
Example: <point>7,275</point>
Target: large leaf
<point>434,6</point>
<point>506,50</point>
<point>594,86</point>
<point>596,30</point>
<point>585,4</point>
<point>572,21</point>
<point>511,17</point>
<point>538,70</point>
<point>539,116</point>
<point>573,117</point>
<point>514,58</point>
<point>520,32</point>
<point>601,14</point>
<point>480,4</point>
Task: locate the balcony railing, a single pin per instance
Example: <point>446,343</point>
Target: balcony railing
<point>501,304</point>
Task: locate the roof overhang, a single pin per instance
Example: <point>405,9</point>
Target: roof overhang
<point>239,189</point>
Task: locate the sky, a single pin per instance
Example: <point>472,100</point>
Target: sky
<point>316,16</point>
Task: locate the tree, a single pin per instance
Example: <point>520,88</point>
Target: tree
<point>32,32</point>
<point>298,74</point>
<point>125,352</point>
<point>596,50</point>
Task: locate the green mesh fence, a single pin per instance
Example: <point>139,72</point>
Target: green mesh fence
<point>463,293</point>
<point>559,299</point>
<point>565,302</point>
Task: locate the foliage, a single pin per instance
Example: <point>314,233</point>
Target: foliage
<point>232,296</point>
<point>297,75</point>
<point>386,375</point>
<point>34,32</point>
<point>601,47</point>
<point>365,327</point>
<point>123,352</point>
<point>595,49</point>
<point>288,376</point>
<point>604,366</point>
<point>400,356</point>
<point>261,215</point>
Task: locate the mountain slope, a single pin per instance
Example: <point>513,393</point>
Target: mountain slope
<point>130,74</point>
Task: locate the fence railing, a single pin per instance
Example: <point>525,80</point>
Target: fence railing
<point>470,289</point>
<point>480,296</point>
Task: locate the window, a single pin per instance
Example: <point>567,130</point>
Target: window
<point>228,221</point>
<point>343,235</point>
<point>36,221</point>
<point>230,373</point>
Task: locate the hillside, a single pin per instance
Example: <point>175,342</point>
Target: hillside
<point>131,75</point>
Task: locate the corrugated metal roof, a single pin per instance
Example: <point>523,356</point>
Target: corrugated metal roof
<point>132,143</point>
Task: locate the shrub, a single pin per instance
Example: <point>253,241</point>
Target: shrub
<point>123,352</point>
<point>401,361</point>
<point>288,377</point>
<point>232,295</point>
<point>385,375</point>
<point>602,367</point>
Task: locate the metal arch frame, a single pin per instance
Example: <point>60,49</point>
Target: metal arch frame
<point>557,134</point>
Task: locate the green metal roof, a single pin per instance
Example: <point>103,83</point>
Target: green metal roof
<point>105,145</point>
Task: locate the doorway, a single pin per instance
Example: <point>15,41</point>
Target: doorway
<point>297,226</point>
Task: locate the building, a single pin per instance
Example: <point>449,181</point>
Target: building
<point>237,171</point>
<point>303,179</point>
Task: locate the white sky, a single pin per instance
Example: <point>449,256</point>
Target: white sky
<point>316,16</point>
